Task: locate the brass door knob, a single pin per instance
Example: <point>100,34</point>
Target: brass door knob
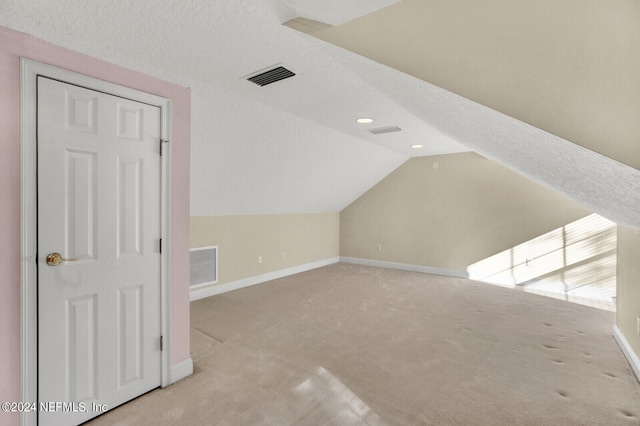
<point>54,259</point>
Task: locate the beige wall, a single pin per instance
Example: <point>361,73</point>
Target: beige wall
<point>628,296</point>
<point>466,209</point>
<point>303,238</point>
<point>569,67</point>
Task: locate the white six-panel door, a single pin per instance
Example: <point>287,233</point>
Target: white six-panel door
<point>99,312</point>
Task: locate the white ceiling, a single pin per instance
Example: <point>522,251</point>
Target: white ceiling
<point>294,146</point>
<point>334,12</point>
<point>290,147</point>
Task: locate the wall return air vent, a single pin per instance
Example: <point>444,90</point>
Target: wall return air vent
<point>203,266</point>
<point>271,76</point>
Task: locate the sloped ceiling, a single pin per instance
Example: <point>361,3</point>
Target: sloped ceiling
<point>568,67</point>
<point>335,12</point>
<point>291,147</point>
<point>294,146</point>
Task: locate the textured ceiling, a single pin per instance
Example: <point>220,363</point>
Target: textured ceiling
<point>294,146</point>
<point>290,147</point>
<point>569,67</point>
<point>335,12</point>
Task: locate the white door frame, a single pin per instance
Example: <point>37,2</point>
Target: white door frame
<point>29,71</point>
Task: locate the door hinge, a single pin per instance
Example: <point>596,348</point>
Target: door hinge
<point>162,142</point>
<point>160,245</point>
<point>161,342</point>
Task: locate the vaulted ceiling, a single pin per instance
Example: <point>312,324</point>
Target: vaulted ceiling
<point>294,146</point>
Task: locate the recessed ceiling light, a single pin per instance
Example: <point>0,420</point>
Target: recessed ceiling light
<point>364,120</point>
<point>417,146</point>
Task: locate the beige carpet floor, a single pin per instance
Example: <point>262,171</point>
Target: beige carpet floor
<point>351,345</point>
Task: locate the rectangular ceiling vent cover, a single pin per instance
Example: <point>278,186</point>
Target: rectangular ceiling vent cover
<point>271,76</point>
<point>203,266</point>
<point>388,129</point>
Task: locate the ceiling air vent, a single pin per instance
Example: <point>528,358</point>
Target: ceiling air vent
<point>388,129</point>
<point>271,76</point>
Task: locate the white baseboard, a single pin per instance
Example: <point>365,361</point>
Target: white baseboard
<point>201,293</point>
<point>405,267</point>
<point>181,370</point>
<point>628,352</point>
